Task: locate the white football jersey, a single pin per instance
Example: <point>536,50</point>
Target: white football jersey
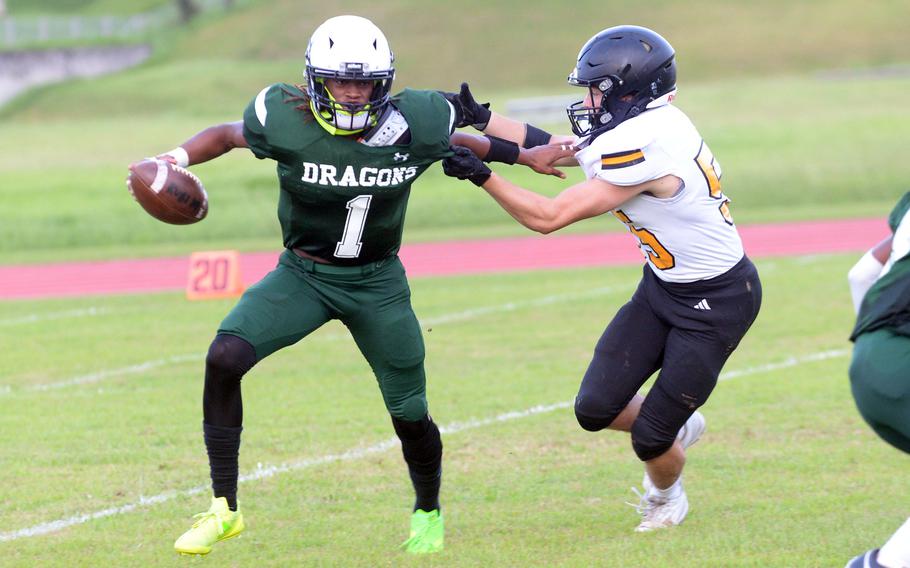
<point>687,237</point>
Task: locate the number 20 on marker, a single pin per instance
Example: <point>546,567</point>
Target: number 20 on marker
<point>214,274</point>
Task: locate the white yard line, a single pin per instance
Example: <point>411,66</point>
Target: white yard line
<point>130,370</point>
<point>99,376</point>
<point>789,362</point>
<point>265,472</point>
<point>513,306</point>
<point>68,314</point>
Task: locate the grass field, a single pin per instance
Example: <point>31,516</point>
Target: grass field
<point>781,162</point>
<point>788,475</point>
<point>102,458</point>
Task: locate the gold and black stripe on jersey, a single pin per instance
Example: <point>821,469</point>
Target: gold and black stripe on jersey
<point>621,159</point>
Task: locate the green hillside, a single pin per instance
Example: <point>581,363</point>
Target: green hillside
<point>504,46</point>
<point>532,43</point>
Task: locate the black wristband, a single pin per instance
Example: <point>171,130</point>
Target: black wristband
<point>480,178</point>
<point>535,137</point>
<point>501,150</point>
<point>482,114</point>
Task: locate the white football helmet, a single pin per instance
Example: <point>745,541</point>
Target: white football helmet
<point>348,47</point>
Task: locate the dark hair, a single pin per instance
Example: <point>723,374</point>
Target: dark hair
<point>303,101</point>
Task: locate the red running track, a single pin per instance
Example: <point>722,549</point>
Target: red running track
<point>436,259</point>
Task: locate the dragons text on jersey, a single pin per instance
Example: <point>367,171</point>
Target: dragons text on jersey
<point>327,174</point>
<point>341,199</point>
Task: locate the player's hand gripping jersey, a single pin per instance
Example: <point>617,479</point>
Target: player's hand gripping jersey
<point>343,200</point>
<point>689,236</point>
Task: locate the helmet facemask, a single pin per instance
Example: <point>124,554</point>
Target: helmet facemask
<point>586,119</point>
<point>615,106</point>
<point>347,118</point>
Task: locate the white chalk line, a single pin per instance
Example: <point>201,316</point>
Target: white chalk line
<point>789,362</point>
<point>514,306</point>
<point>51,316</point>
<point>464,315</point>
<point>129,370</point>
<point>265,472</point>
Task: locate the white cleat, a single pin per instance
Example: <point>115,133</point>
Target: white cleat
<point>660,513</point>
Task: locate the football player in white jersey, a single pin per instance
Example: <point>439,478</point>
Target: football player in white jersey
<point>647,165</point>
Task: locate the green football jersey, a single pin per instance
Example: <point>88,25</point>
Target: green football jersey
<point>887,303</point>
<point>342,200</point>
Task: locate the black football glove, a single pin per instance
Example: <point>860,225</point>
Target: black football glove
<point>464,164</point>
<point>468,112</point>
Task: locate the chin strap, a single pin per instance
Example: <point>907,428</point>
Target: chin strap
<point>329,119</point>
<point>618,113</point>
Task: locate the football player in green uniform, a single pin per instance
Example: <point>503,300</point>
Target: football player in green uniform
<point>347,153</point>
<point>880,369</point>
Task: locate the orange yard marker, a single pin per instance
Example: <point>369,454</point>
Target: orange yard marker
<point>214,274</point>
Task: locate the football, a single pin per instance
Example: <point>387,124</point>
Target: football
<point>168,192</point>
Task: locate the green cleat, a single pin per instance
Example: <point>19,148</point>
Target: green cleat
<point>218,523</point>
<point>426,532</point>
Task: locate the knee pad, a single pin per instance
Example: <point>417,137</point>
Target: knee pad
<point>229,356</point>
<point>648,441</point>
<point>421,444</point>
<point>411,408</point>
<point>590,417</point>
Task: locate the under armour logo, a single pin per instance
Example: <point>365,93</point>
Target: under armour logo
<point>401,157</point>
<point>703,305</point>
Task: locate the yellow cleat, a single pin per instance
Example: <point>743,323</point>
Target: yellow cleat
<point>426,533</point>
<point>216,524</point>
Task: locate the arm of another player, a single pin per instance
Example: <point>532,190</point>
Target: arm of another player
<point>867,270</point>
<point>528,135</point>
<point>540,159</point>
<point>207,145</point>
<point>543,214</point>
<point>472,113</point>
<point>537,212</point>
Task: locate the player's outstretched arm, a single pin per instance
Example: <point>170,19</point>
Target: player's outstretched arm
<point>207,145</point>
<point>541,159</point>
<point>537,212</point>
<point>480,116</point>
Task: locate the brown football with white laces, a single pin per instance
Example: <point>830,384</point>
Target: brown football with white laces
<point>168,192</point>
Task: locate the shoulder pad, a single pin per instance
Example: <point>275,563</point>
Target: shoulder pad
<point>627,154</point>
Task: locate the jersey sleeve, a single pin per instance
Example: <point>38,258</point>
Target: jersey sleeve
<point>627,156</point>
<point>255,118</point>
<point>431,119</point>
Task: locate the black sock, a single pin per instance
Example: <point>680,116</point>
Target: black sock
<point>223,446</point>
<point>422,449</point>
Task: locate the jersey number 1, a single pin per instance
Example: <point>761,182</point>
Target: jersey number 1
<point>349,245</point>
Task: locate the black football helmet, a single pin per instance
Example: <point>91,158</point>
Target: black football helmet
<point>632,66</point>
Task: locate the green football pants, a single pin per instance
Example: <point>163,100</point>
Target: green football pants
<point>373,301</point>
<point>880,380</point>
